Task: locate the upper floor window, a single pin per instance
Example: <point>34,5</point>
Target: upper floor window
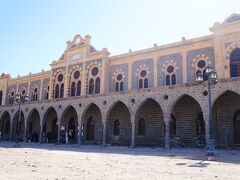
<point>11,97</point>
<point>200,66</point>
<point>46,93</point>
<point>59,87</point>
<point>94,84</point>
<point>170,75</point>
<point>1,94</point>
<point>143,80</point>
<point>235,63</point>
<point>75,86</point>
<point>35,94</point>
<point>119,83</point>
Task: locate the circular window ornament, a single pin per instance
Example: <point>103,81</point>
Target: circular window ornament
<point>60,77</point>
<point>143,73</point>
<point>76,74</point>
<point>119,77</point>
<point>170,69</point>
<point>95,71</point>
<point>201,64</point>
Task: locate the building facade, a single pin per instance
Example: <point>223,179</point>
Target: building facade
<point>145,98</point>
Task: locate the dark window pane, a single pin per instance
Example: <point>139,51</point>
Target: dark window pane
<point>167,80</point>
<point>95,71</point>
<point>73,89</point>
<point>121,86</point>
<point>57,91</point>
<point>79,84</point>
<point>91,86</point>
<point>201,64</point>
<point>173,79</point>
<point>62,91</point>
<point>117,87</point>
<point>76,74</point>
<point>140,85</point>
<point>97,86</point>
<point>170,69</point>
<point>143,73</point>
<point>145,83</point>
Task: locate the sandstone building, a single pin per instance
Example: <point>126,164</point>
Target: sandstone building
<point>147,97</point>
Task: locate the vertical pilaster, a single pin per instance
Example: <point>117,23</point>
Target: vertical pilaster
<point>184,66</point>
<point>155,73</point>
<point>133,131</point>
<point>66,83</point>
<point>84,82</point>
<point>41,90</point>
<point>129,76</point>
<point>103,79</point>
<point>51,89</point>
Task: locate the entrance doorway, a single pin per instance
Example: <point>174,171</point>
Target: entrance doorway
<point>90,129</point>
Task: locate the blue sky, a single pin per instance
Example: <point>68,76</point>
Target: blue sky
<point>34,33</point>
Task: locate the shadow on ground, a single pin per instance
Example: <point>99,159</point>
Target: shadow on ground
<point>225,156</point>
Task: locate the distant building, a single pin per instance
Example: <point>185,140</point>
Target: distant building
<point>147,97</point>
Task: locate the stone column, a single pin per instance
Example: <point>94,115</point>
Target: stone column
<point>25,134</point>
<point>59,131</point>
<point>79,129</point>
<point>133,131</point>
<point>167,120</point>
<point>104,131</point>
<point>41,132</point>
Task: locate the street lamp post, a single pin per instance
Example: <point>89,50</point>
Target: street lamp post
<point>209,82</point>
<point>20,99</point>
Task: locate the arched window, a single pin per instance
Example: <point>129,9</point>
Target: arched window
<point>73,89</point>
<point>205,77</point>
<point>117,87</point>
<point>91,86</point>
<point>79,84</point>
<point>35,94</point>
<point>46,93</point>
<point>167,80</point>
<point>57,91</point>
<point>62,91</point>
<point>235,63</point>
<point>146,83</point>
<point>173,126</point>
<point>200,125</point>
<point>116,129</point>
<point>121,86</point>
<point>97,86</point>
<point>140,84</point>
<point>0,98</point>
<point>174,79</point>
<point>141,127</point>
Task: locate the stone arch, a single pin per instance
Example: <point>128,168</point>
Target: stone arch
<point>33,126</point>
<point>18,128</point>
<point>173,101</point>
<point>50,125</point>
<point>151,113</point>
<point>119,111</point>
<point>5,126</point>
<point>92,125</point>
<point>69,120</point>
<point>186,111</point>
<point>223,91</point>
<point>223,110</point>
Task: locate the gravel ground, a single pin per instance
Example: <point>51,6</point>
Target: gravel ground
<point>48,161</point>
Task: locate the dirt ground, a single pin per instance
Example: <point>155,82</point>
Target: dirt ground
<point>48,161</point>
